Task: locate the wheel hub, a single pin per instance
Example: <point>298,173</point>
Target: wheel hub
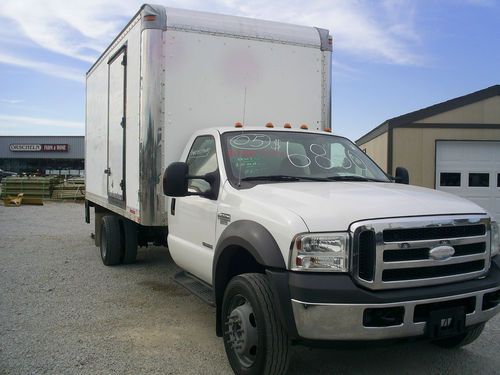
<point>242,333</point>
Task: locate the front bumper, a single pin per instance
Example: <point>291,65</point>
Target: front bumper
<point>346,321</point>
<point>331,307</point>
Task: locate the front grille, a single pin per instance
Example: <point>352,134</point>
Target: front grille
<point>432,271</point>
<point>396,253</point>
<point>433,233</point>
<point>420,254</point>
<point>366,254</point>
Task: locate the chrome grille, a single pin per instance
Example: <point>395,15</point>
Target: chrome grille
<point>395,253</point>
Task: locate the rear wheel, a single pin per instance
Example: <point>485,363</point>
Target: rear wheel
<point>461,340</point>
<point>255,339</point>
<point>129,241</point>
<point>111,240</point>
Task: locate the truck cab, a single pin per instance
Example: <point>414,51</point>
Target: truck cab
<point>301,237</point>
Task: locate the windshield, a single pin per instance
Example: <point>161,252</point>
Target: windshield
<point>293,156</point>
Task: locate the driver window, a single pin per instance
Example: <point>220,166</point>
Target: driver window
<point>201,160</point>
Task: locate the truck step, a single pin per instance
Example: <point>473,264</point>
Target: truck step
<point>195,286</point>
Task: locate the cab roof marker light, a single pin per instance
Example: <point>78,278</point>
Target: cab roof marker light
<point>149,17</point>
<point>269,125</point>
<point>238,125</point>
<point>304,127</point>
<point>287,125</point>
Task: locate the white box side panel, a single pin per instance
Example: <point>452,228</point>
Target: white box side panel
<point>217,81</point>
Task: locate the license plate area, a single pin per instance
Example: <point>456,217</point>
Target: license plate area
<point>446,322</point>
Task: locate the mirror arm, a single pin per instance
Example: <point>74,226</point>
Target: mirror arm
<point>208,178</point>
<point>392,178</point>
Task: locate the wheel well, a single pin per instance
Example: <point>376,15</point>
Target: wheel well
<point>234,261</point>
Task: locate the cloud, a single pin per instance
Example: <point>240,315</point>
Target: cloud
<point>11,101</point>
<point>20,122</point>
<point>62,27</point>
<point>382,31</point>
<point>54,70</point>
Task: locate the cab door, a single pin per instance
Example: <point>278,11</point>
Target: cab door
<point>192,219</point>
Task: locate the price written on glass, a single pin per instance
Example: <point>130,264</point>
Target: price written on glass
<point>316,153</point>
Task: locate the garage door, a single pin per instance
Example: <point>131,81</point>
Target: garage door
<point>470,169</point>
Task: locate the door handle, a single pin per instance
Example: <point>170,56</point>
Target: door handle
<point>172,207</point>
<point>107,171</point>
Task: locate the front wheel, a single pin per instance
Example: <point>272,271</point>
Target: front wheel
<point>461,340</point>
<point>255,339</point>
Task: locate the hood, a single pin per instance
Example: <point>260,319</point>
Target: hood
<point>333,206</point>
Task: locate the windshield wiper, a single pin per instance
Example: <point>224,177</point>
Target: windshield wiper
<point>353,178</point>
<point>280,177</point>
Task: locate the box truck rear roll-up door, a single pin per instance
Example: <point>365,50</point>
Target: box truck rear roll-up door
<point>116,125</point>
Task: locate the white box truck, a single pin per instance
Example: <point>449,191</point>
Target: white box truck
<point>291,232</point>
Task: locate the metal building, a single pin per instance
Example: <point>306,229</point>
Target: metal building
<point>43,154</point>
<point>452,146</point>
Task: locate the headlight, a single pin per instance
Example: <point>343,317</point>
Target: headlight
<point>495,238</point>
<point>320,252</point>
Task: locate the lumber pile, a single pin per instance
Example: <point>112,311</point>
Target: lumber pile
<point>73,188</point>
<point>36,189</point>
<point>30,187</point>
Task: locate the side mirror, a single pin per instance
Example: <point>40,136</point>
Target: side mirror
<point>176,177</point>
<point>402,176</point>
<point>175,180</point>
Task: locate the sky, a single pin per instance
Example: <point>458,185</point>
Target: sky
<point>390,57</point>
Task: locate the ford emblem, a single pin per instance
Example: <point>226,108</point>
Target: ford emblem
<point>441,252</point>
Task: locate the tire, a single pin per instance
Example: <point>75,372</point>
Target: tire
<point>129,241</point>
<point>461,340</point>
<point>111,240</point>
<point>255,339</point>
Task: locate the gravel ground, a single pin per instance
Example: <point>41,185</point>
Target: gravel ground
<point>63,312</point>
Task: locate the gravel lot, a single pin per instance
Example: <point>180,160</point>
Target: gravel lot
<point>62,311</point>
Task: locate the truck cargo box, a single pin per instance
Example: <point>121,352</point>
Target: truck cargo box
<point>171,72</point>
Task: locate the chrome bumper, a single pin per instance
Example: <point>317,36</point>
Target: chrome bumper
<point>325,321</point>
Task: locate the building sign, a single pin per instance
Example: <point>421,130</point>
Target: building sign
<point>55,148</point>
<point>39,148</point>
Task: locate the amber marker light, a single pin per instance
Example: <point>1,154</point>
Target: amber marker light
<point>149,17</point>
<point>328,130</point>
<point>269,125</point>
<point>287,126</point>
<point>304,127</point>
<point>238,125</point>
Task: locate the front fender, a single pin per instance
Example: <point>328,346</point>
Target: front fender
<point>256,240</point>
